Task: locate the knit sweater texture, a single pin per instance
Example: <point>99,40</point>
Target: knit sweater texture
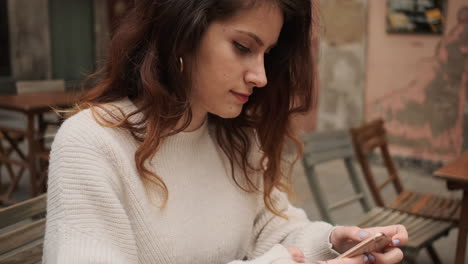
<point>98,210</point>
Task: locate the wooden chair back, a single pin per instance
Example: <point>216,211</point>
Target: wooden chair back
<point>327,146</point>
<point>40,86</point>
<point>366,139</point>
<point>22,228</point>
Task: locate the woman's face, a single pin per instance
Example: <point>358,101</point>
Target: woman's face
<point>230,60</point>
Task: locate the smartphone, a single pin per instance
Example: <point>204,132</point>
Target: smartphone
<point>373,244</point>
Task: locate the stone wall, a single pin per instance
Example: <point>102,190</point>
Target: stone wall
<point>30,39</point>
<point>342,63</point>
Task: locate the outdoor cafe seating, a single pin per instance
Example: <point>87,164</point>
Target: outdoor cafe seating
<point>25,110</point>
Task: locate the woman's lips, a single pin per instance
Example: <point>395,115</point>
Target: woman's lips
<point>244,98</point>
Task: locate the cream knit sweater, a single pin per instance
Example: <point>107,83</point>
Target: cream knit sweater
<point>98,211</point>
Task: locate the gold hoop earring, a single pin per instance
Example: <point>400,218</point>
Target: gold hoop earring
<point>181,64</point>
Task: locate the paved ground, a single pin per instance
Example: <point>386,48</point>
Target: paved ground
<point>335,183</point>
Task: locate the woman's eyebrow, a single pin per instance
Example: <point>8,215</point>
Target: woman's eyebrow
<point>255,37</point>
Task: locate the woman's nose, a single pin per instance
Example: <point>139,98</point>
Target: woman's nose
<point>257,75</point>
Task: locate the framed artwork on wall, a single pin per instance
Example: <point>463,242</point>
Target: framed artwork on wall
<point>416,16</point>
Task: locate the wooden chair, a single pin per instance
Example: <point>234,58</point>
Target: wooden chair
<point>8,87</point>
<point>46,128</point>
<point>22,228</point>
<point>372,136</point>
<point>14,175</point>
<point>337,145</point>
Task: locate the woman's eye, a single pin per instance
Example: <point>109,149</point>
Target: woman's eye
<point>241,48</point>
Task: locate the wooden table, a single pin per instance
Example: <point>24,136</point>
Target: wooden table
<point>32,106</point>
<point>456,175</point>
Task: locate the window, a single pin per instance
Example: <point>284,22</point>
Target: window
<point>4,40</point>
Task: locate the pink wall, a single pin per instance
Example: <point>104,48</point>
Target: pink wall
<point>417,84</point>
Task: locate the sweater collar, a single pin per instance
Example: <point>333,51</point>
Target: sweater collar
<point>127,106</point>
<point>189,138</point>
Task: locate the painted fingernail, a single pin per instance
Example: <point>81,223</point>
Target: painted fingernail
<point>372,258</point>
<point>396,242</point>
<point>366,259</point>
<point>363,234</point>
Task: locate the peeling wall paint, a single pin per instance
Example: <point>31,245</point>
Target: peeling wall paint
<point>418,83</point>
<point>342,63</point>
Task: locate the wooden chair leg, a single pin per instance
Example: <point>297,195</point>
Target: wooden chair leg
<point>5,153</point>
<point>433,254</point>
<point>5,199</point>
<point>8,166</point>
<point>42,181</point>
<point>2,152</point>
<point>1,185</point>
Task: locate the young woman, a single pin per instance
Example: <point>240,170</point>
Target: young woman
<point>175,154</point>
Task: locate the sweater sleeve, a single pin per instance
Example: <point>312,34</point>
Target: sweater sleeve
<point>86,222</point>
<point>295,231</point>
<point>277,254</point>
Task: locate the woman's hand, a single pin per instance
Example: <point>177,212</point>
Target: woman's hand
<point>297,254</point>
<point>298,257</point>
<point>354,260</point>
<point>345,237</point>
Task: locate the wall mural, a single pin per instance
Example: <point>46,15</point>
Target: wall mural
<point>426,117</point>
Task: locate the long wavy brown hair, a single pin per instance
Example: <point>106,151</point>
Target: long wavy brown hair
<point>143,65</point>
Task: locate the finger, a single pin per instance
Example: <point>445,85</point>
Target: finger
<point>354,233</point>
<point>361,259</point>
<point>296,254</point>
<point>398,233</point>
<point>394,255</point>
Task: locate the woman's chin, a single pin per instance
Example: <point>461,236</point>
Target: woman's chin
<point>231,113</point>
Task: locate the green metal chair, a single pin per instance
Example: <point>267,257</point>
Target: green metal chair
<point>329,146</point>
<point>337,145</point>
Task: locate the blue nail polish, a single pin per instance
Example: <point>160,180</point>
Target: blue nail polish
<point>366,259</point>
<point>363,234</point>
<point>372,258</point>
<point>396,242</point>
